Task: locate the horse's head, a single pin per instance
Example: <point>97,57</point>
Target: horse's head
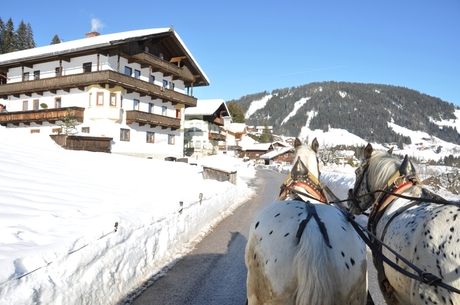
<point>306,160</point>
<point>377,168</point>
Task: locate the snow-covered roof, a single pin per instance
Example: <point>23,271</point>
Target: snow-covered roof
<point>237,127</point>
<point>91,43</point>
<point>206,107</point>
<point>277,152</point>
<point>258,146</point>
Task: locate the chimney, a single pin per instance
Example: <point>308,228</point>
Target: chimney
<point>92,34</point>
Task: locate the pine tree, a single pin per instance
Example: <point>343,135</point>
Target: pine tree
<point>266,136</point>
<point>9,37</point>
<point>236,112</point>
<point>2,30</point>
<point>55,40</point>
<point>30,37</point>
<point>69,123</point>
<point>21,36</point>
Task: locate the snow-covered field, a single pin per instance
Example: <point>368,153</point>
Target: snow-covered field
<point>86,228</point>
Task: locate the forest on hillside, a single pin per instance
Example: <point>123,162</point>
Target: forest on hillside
<point>362,109</point>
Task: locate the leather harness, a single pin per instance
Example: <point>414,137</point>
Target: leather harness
<point>302,178</point>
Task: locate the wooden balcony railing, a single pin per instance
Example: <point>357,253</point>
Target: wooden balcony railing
<point>40,116</point>
<point>164,66</point>
<point>82,80</point>
<point>134,116</point>
<point>217,136</point>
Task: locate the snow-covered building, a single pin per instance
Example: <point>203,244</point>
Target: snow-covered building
<point>204,128</point>
<point>131,87</point>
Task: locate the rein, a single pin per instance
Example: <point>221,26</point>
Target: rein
<point>421,276</point>
<point>398,184</point>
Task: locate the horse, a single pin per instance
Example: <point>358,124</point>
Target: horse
<point>419,226</point>
<point>301,250</point>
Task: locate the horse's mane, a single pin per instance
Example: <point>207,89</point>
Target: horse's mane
<point>382,166</point>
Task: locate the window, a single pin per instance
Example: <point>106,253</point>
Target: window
<point>152,79</point>
<point>178,114</point>
<point>36,106</point>
<point>128,71</point>
<point>85,129</point>
<point>136,104</point>
<point>26,76</point>
<point>124,134</point>
<point>113,99</point>
<point>165,83</point>
<point>150,137</point>
<point>87,67</point>
<point>171,139</point>
<point>137,74</point>
<point>171,85</point>
<point>100,99</point>
<point>57,102</point>
<point>151,107</point>
<point>25,105</point>
<point>198,144</point>
<point>57,71</point>
<point>163,110</point>
<point>35,131</point>
<point>36,74</point>
<point>57,130</point>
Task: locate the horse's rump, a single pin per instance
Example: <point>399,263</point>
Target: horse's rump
<point>307,269</point>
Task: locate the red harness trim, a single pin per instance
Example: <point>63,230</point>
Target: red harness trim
<point>310,190</point>
<point>389,197</point>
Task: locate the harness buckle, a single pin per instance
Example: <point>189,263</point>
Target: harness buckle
<point>430,279</point>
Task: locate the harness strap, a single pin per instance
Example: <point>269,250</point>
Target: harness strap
<point>421,276</point>
<point>311,211</point>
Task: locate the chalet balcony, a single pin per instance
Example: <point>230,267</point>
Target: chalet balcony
<point>143,118</point>
<point>217,136</point>
<point>101,78</point>
<point>164,66</point>
<point>41,116</point>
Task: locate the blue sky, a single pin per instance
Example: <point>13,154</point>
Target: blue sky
<point>247,47</point>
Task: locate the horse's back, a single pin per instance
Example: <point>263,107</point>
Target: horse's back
<point>429,237</point>
<point>273,252</point>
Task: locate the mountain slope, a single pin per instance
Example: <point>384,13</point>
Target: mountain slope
<point>365,110</point>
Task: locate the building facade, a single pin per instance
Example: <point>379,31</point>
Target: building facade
<point>204,128</point>
<point>132,87</point>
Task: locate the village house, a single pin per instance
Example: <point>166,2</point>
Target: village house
<point>130,89</point>
<point>204,128</point>
<point>280,153</point>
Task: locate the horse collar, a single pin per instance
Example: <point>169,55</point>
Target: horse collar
<point>396,185</point>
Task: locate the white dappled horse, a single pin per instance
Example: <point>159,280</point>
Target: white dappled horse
<point>422,228</point>
<point>325,265</point>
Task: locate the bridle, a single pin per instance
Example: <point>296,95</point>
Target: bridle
<point>353,193</point>
<point>301,178</point>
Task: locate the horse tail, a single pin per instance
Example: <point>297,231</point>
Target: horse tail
<point>315,269</point>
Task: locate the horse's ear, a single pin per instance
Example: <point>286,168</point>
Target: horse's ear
<point>297,143</point>
<point>390,151</point>
<point>406,167</point>
<point>315,145</point>
<point>368,151</point>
